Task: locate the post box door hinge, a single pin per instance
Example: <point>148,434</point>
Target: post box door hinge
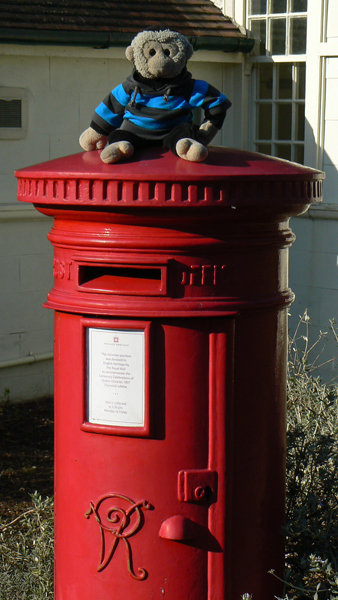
<point>197,485</point>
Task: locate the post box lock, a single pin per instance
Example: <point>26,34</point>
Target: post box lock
<point>197,485</point>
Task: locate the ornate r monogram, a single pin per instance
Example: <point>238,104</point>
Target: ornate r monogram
<point>122,522</point>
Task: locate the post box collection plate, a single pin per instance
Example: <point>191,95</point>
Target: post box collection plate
<point>116,373</point>
<point>116,394</point>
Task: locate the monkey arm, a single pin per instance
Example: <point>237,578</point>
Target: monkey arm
<point>215,106</point>
<point>207,132</point>
<point>213,121</point>
<point>215,112</point>
<point>107,117</point>
<point>109,114</point>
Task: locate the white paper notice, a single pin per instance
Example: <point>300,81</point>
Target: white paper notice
<point>116,377</point>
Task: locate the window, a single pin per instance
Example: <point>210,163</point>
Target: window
<point>13,113</point>
<point>280,108</point>
<point>279,27</point>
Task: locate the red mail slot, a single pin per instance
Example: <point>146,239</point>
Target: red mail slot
<point>123,279</point>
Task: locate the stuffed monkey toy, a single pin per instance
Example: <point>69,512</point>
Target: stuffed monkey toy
<point>154,105</point>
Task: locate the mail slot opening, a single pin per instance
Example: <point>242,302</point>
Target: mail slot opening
<point>130,280</point>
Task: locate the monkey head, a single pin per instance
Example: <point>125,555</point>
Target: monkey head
<point>159,54</point>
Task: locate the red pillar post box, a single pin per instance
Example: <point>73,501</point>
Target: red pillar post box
<point>170,297</point>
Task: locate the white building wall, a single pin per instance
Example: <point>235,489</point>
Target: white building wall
<point>331,8</point>
<point>330,153</point>
<point>64,86</point>
<point>314,256</point>
<point>25,327</point>
<point>235,9</point>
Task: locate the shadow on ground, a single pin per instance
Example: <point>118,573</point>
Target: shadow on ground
<point>26,453</point>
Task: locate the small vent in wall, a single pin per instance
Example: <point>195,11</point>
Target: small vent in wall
<point>13,113</point>
<point>10,112</point>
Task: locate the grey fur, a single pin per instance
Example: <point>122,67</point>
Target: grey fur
<point>159,64</point>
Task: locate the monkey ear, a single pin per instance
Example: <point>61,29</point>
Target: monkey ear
<point>130,53</point>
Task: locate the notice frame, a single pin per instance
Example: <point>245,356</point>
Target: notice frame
<point>117,366</point>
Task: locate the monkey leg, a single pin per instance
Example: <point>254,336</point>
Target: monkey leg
<point>117,151</point>
<point>121,146</point>
<point>191,150</point>
<point>184,142</point>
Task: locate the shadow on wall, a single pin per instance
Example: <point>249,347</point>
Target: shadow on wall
<point>314,269</point>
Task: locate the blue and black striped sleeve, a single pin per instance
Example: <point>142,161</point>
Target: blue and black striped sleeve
<point>109,114</point>
<point>214,103</point>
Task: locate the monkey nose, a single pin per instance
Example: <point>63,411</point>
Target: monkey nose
<point>160,66</point>
<point>165,66</point>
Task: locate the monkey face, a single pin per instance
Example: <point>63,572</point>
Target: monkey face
<point>158,54</point>
<point>162,59</point>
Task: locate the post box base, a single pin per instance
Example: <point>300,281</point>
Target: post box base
<point>192,502</point>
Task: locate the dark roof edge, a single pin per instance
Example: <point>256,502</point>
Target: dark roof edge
<point>104,40</point>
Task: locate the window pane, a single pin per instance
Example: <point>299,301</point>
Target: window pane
<point>258,29</point>
<point>264,121</point>
<point>283,121</point>
<point>283,151</point>
<point>278,6</point>
<point>300,81</point>
<point>265,81</point>
<point>264,148</point>
<point>298,5</point>
<point>284,81</point>
<point>298,35</point>
<point>257,7</point>
<point>300,122</point>
<point>299,154</point>
<point>278,35</point>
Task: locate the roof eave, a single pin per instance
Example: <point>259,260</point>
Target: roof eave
<point>224,44</point>
<point>107,40</point>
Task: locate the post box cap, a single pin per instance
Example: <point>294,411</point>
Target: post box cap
<point>156,177</point>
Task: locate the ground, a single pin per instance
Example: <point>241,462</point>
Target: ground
<point>26,454</point>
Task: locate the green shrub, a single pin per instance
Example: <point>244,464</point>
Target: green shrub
<point>312,472</point>
<point>311,531</point>
<point>26,553</point>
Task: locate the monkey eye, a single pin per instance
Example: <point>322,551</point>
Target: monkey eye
<point>152,51</point>
<point>167,52</point>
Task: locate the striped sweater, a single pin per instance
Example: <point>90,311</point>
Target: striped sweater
<point>152,108</point>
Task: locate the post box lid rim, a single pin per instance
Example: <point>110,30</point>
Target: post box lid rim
<point>157,164</point>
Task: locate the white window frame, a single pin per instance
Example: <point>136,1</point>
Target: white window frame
<point>275,59</point>
<point>269,17</point>
<point>8,94</point>
<point>274,101</point>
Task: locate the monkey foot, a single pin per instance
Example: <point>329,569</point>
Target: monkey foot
<point>117,151</point>
<point>191,150</point>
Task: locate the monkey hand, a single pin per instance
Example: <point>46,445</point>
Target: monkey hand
<point>207,132</point>
<point>91,140</point>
